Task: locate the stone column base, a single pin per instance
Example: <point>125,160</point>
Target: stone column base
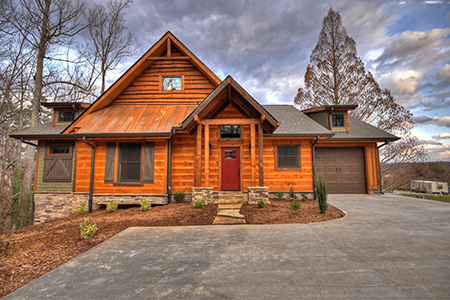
<point>202,192</point>
<point>258,192</point>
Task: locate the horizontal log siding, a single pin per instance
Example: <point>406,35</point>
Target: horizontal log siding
<point>283,180</point>
<point>370,160</point>
<point>42,186</point>
<point>182,171</point>
<point>146,89</point>
<point>100,187</point>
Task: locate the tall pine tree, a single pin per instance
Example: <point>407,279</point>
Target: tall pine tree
<point>337,76</point>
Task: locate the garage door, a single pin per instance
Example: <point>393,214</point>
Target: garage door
<point>343,168</point>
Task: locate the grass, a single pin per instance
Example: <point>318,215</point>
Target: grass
<point>436,198</point>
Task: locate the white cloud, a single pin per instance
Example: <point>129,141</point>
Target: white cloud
<point>438,121</point>
<point>405,82</point>
<point>441,136</point>
<point>438,152</point>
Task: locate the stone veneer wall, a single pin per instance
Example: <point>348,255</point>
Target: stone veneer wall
<point>54,205</point>
<point>256,193</point>
<point>202,192</point>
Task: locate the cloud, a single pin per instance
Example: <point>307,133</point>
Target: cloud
<point>441,136</point>
<point>429,142</point>
<point>438,121</point>
<point>405,82</point>
<point>438,152</point>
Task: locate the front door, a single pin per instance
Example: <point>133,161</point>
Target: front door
<point>231,173</point>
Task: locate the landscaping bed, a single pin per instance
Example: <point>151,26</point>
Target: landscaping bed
<point>41,248</point>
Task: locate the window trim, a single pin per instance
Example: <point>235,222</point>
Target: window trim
<point>230,138</point>
<point>171,91</point>
<point>299,149</point>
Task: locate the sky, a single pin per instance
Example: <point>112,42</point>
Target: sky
<point>266,45</point>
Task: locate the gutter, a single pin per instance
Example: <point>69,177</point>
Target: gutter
<point>28,143</point>
<point>314,165</point>
<point>379,165</point>
<point>91,181</point>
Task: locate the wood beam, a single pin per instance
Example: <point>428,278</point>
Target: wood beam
<point>169,48</point>
<point>168,58</point>
<point>198,158</point>
<point>261,120</point>
<point>228,121</point>
<point>261,155</point>
<point>253,153</point>
<point>207,155</point>
<point>197,119</point>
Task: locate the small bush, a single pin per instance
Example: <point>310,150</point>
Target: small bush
<point>304,196</point>
<point>292,193</point>
<point>87,229</point>
<point>260,203</point>
<point>82,208</point>
<point>279,195</point>
<point>145,205</point>
<point>322,194</point>
<point>111,206</point>
<point>199,203</point>
<point>6,244</point>
<point>296,205</point>
<point>179,197</point>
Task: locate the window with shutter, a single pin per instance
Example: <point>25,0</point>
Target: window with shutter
<point>130,155</point>
<point>58,162</point>
<point>288,157</point>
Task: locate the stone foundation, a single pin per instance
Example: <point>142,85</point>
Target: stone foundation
<point>202,192</point>
<point>51,206</point>
<point>374,192</point>
<point>256,193</point>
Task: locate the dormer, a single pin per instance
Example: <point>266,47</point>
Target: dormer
<point>332,117</point>
<point>65,113</point>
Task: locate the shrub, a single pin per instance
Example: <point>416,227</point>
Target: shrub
<point>179,197</point>
<point>111,206</point>
<point>260,203</point>
<point>82,208</point>
<point>199,203</point>
<point>322,194</point>
<point>87,229</point>
<point>304,196</point>
<point>279,195</point>
<point>292,193</point>
<point>296,205</point>
<point>6,244</point>
<point>145,205</point>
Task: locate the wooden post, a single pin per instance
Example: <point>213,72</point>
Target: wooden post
<point>261,155</point>
<point>253,153</point>
<point>169,48</point>
<point>207,155</point>
<point>198,158</point>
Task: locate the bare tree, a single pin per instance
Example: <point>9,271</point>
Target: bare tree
<point>336,75</point>
<point>110,42</point>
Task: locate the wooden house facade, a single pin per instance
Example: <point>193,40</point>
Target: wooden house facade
<point>169,124</point>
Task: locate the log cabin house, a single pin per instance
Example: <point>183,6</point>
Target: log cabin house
<point>169,124</point>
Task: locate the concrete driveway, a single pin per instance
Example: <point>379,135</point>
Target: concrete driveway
<point>387,247</point>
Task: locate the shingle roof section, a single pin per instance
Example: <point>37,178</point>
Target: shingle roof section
<point>360,130</point>
<point>44,130</point>
<point>293,122</point>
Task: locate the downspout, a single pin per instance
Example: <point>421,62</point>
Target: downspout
<point>330,118</point>
<point>314,165</point>
<point>379,165</point>
<point>169,165</point>
<point>28,143</point>
<point>91,181</point>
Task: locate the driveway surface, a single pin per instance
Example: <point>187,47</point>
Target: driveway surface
<point>387,247</point>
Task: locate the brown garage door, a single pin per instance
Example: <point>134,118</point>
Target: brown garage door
<point>343,169</point>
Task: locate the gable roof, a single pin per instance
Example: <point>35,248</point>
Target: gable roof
<point>160,50</point>
<point>229,92</point>
<point>292,122</point>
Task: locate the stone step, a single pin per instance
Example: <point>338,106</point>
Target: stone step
<point>230,205</point>
<point>229,201</point>
<point>220,220</point>
<point>230,213</point>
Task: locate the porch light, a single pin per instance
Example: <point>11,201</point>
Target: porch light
<point>210,149</point>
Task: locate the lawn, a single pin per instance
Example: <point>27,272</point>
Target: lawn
<point>436,198</point>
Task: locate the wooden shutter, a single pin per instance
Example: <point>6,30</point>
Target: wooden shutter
<point>58,167</point>
<point>110,162</point>
<point>149,162</point>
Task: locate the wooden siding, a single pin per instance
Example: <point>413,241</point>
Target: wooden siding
<point>146,89</point>
<point>42,186</point>
<point>159,185</point>
<point>370,160</point>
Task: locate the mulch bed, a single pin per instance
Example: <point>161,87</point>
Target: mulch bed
<point>41,248</point>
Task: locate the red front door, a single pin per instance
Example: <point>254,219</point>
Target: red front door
<point>231,180</point>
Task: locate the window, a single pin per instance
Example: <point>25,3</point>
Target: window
<point>171,83</point>
<point>130,166</point>
<point>288,157</point>
<point>58,162</point>
<point>230,131</point>
<point>66,115</point>
<point>338,120</point>
<point>230,154</point>
<point>130,162</point>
